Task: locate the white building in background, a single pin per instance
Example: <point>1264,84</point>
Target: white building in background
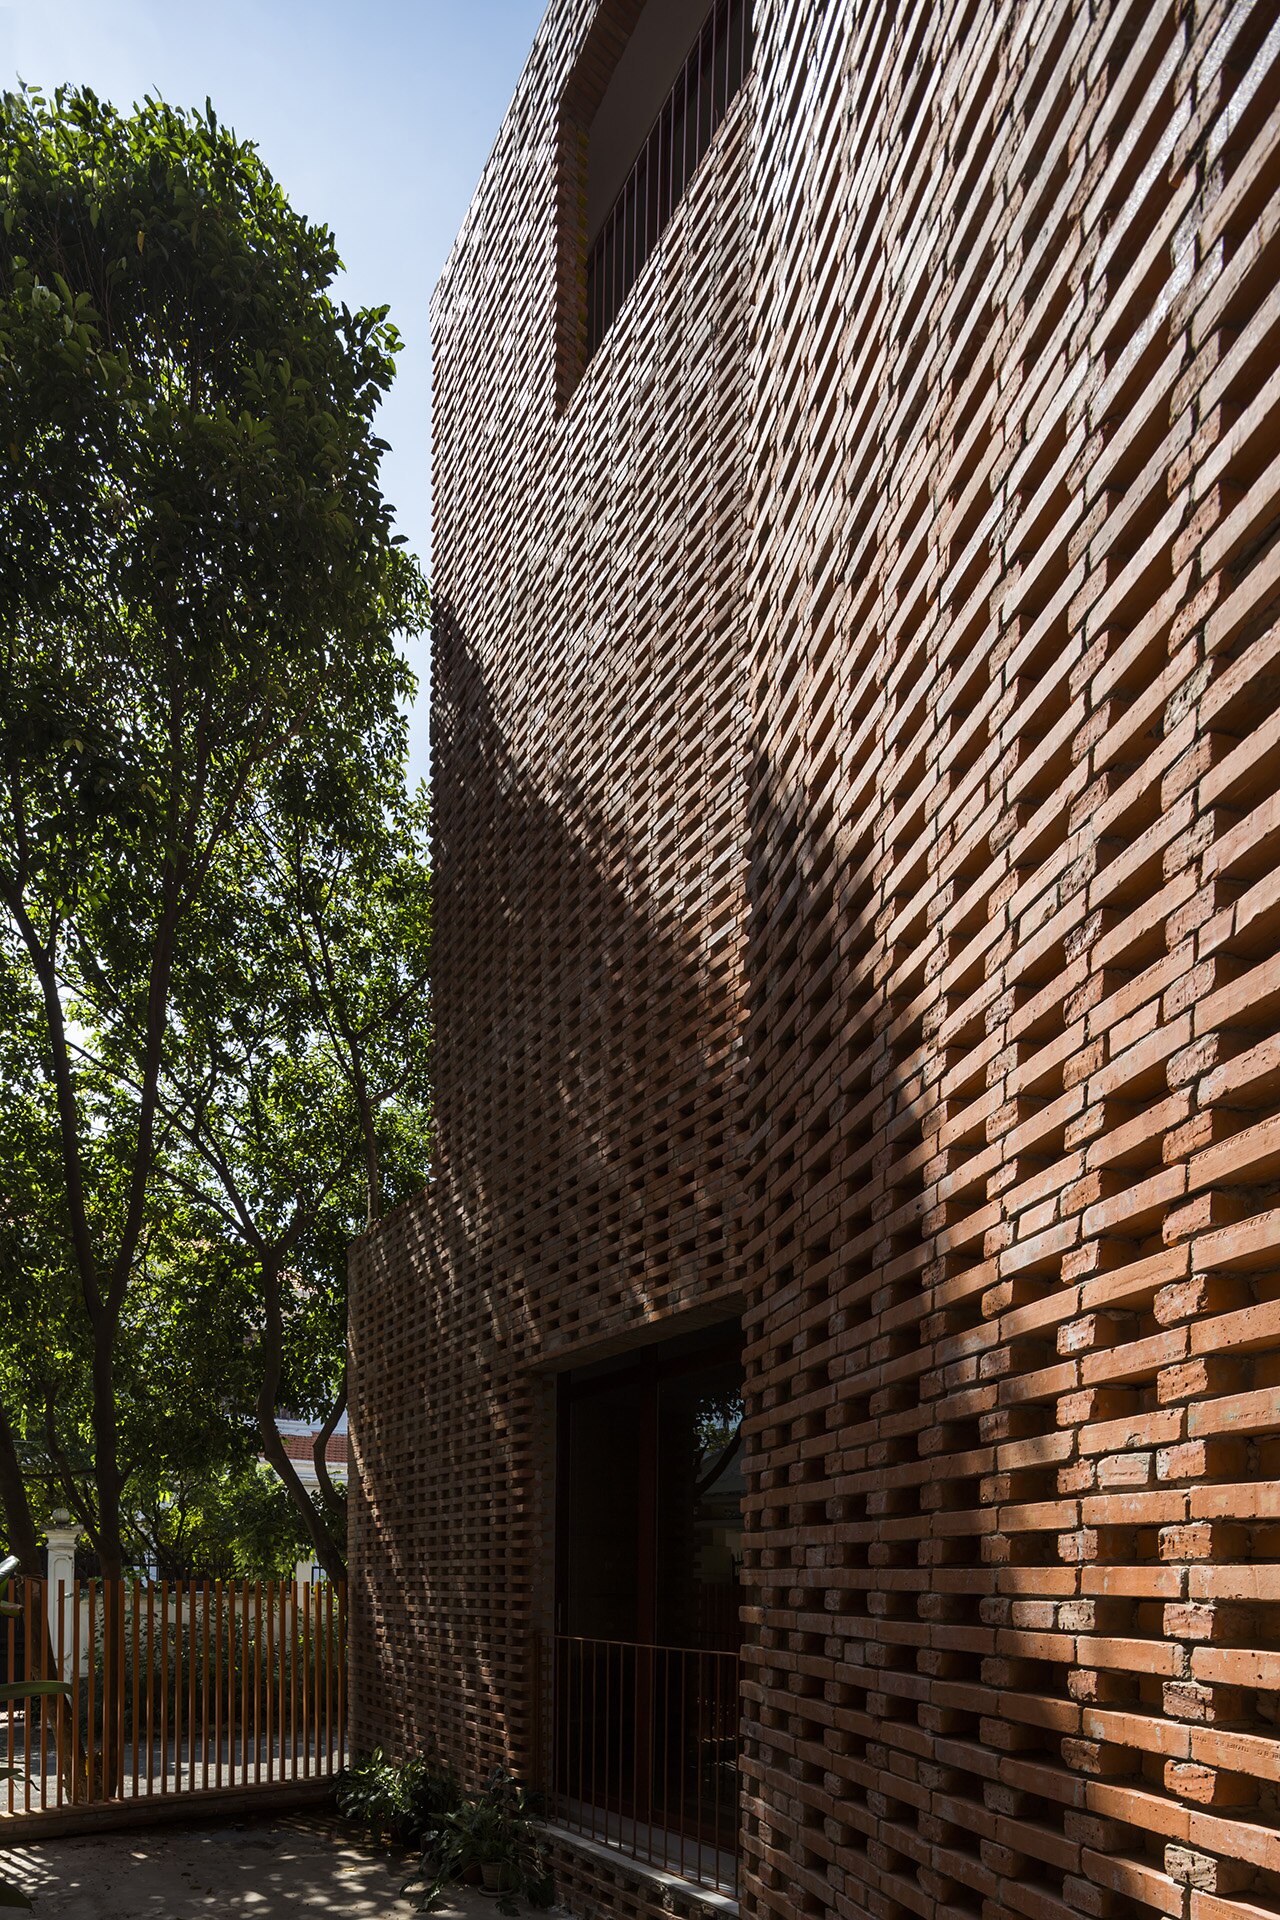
<point>299,1438</point>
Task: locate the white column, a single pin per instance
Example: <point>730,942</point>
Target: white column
<point>63,1535</point>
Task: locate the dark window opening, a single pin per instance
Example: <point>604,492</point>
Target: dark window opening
<point>651,1497</point>
<point>641,1732</point>
<point>623,230</point>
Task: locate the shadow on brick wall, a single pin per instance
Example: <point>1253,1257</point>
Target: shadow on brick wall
<point>586,1186</point>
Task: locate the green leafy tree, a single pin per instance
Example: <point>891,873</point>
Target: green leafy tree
<point>305,1107</point>
<point>238,1524</point>
<point>33,1277</point>
<point>200,590</point>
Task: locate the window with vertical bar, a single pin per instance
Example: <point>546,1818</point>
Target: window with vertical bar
<point>717,63</point>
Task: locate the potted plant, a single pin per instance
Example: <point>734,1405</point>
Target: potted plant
<point>398,1801</point>
<point>492,1840</point>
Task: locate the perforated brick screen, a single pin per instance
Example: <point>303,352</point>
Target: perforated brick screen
<point>857,799</point>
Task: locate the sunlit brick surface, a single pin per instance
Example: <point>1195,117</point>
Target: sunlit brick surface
<point>858,800</point>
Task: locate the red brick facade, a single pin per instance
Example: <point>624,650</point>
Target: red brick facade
<point>857,805</point>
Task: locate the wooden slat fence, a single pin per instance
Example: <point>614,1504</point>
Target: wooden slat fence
<point>192,1688</point>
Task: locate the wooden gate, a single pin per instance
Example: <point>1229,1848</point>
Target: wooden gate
<point>184,1692</point>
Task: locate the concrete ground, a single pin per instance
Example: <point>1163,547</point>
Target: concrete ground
<point>240,1870</point>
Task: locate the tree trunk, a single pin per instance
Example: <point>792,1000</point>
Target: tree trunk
<point>108,1481</point>
<point>369,1134</point>
<point>326,1548</point>
<point>320,1448</point>
<point>20,1528</point>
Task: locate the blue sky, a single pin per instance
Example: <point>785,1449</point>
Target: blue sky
<point>376,118</point>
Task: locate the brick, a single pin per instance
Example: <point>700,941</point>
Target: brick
<point>856,812</point>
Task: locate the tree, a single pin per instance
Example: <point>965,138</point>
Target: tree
<point>200,589</point>
<point>300,1089</point>
<point>295,1097</point>
<point>238,1524</point>
<point>33,1281</point>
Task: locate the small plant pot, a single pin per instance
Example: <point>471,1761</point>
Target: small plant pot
<point>496,1876</point>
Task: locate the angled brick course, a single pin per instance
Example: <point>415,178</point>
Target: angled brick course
<point>858,800</point>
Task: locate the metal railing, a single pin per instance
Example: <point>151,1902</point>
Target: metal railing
<point>638,1750</point>
<point>716,67</point>
<point>191,1687</point>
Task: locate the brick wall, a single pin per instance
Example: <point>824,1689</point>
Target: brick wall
<point>589,786</point>
<point>857,803</point>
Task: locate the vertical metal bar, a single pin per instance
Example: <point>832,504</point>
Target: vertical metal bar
<point>33,1668</point>
<point>151,1683</point>
<point>321,1674</point>
<point>257,1682</point>
<point>99,1770</point>
<point>77,1784</point>
<point>227,1692</point>
<point>61,1721</point>
<point>99,1688</point>
<point>136,1639</point>
<point>218,1678</point>
<point>243,1684</point>
<point>30,1672</point>
<point>235,1633</point>
<point>91,1700</point>
<point>736,1709</point>
<point>717,1737</point>
<point>179,1685</point>
<point>593,298</point>
<point>682,1723</point>
<point>666,1749</point>
<point>317,1679</point>
<point>600,1660</point>
<point>304,1676</point>
<point>112,1619</point>
<point>42,1614</point>
<point>693,90</point>
<point>193,1667</point>
<point>164,1686</point>
<point>709,56</point>
<point>208,1619</point>
<point>562,1720</point>
<point>697,1755</point>
<point>293,1679</point>
<point>622,1735</point>
<point>604,1737</point>
<point>118,1647</point>
<point>284,1678</point>
<point>606,248</point>
<point>582,1688</point>
<point>637,1796</point>
<point>342,1673</point>
<point>11,1637</point>
<point>11,1668</point>
<point>269,1694</point>
<point>328,1677</point>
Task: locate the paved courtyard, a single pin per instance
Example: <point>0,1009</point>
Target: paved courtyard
<point>289,1868</point>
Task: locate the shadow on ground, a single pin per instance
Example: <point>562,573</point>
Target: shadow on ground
<point>255,1869</point>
